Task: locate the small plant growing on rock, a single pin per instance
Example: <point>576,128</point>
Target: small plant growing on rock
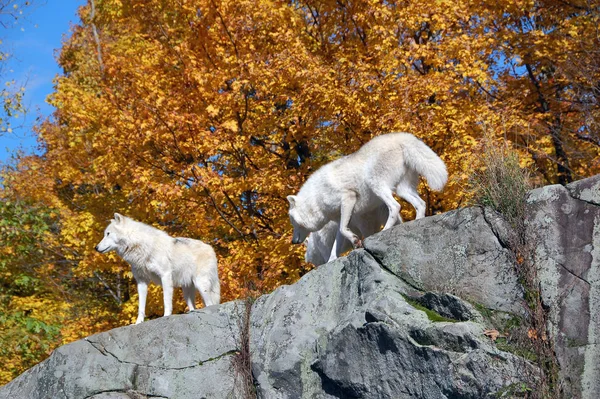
<point>503,185</point>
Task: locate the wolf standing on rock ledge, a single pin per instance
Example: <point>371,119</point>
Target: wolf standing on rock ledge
<point>359,183</point>
<point>171,262</point>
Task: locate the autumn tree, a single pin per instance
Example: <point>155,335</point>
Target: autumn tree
<point>201,116</point>
<point>43,301</point>
<point>28,333</point>
<point>549,51</point>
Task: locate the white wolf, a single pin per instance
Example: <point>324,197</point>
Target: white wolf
<point>321,245</point>
<point>156,257</point>
<point>359,183</point>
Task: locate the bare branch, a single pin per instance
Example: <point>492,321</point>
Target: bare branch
<point>96,36</point>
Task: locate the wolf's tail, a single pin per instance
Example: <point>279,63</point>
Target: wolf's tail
<point>419,157</point>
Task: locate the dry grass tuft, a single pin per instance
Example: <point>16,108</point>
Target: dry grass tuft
<point>242,362</point>
<point>503,185</point>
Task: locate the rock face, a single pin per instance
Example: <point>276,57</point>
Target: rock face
<point>169,357</point>
<point>458,252</point>
<point>564,224</point>
<point>346,330</point>
<point>405,317</point>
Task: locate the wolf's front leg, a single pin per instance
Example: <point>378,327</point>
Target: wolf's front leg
<point>167,286</point>
<point>142,288</point>
<point>346,208</point>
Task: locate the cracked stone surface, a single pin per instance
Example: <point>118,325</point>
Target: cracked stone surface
<point>345,330</point>
<point>565,224</point>
<point>458,252</point>
<point>180,356</point>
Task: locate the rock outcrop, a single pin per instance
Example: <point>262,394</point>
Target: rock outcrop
<point>408,316</point>
<point>349,330</point>
<point>565,225</point>
<point>184,356</point>
<point>458,252</point>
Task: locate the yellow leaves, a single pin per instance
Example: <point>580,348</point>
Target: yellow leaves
<point>212,111</point>
<point>230,125</point>
<point>494,334</point>
<point>78,231</point>
<point>534,335</point>
<point>44,309</point>
<point>160,100</point>
<point>156,203</point>
<point>574,31</point>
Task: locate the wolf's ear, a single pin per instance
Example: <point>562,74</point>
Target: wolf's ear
<point>118,217</point>
<point>292,200</point>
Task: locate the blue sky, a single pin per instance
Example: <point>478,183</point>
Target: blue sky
<point>33,44</point>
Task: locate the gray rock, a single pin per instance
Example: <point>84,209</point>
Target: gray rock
<point>448,306</point>
<point>586,190</point>
<point>564,225</point>
<point>181,356</point>
<point>345,330</point>
<point>458,252</point>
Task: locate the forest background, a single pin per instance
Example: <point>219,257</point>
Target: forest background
<point>200,116</point>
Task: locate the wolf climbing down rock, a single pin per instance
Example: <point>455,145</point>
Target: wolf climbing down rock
<point>359,183</point>
<point>156,257</point>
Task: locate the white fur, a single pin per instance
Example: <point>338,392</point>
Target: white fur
<point>321,246</point>
<point>359,183</point>
<point>156,257</point>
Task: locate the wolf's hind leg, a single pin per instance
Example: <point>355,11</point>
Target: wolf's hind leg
<point>189,293</point>
<point>385,194</point>
<point>410,194</point>
<point>210,294</point>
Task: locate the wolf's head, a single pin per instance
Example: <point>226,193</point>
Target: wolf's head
<point>299,220</point>
<point>112,235</point>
